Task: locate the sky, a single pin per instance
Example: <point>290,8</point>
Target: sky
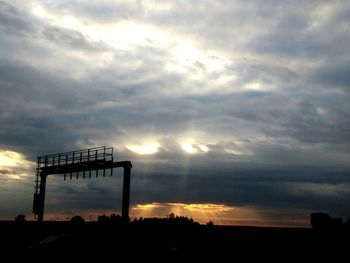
<point>232,111</point>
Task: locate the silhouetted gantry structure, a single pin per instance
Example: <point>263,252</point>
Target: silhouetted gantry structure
<point>78,163</point>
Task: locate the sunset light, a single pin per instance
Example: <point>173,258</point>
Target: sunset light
<point>202,212</point>
<point>9,158</point>
<point>144,149</point>
<point>193,148</point>
<point>12,159</point>
<point>188,148</point>
<point>13,164</point>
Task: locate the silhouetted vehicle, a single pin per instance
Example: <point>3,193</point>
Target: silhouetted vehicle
<point>58,245</point>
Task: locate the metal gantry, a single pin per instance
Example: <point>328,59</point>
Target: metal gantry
<point>76,163</point>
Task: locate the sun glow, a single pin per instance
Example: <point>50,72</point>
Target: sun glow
<point>208,207</point>
<point>65,21</point>
<point>10,159</point>
<point>186,52</point>
<point>13,165</point>
<point>203,148</point>
<point>188,148</point>
<point>192,148</point>
<point>119,33</point>
<point>200,212</point>
<point>144,149</point>
<point>148,206</point>
<point>220,214</point>
<point>257,86</point>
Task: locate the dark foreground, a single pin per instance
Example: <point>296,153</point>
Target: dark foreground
<point>167,242</point>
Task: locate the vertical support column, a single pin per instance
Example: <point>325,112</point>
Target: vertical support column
<point>126,191</point>
<point>42,197</point>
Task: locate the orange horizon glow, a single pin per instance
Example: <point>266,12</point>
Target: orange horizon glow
<point>219,214</point>
<point>199,212</point>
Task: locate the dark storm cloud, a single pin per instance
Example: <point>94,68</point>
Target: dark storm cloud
<point>29,86</point>
<point>277,127</point>
<point>103,11</point>
<point>71,39</point>
<point>98,189</point>
<point>13,20</point>
<point>278,188</point>
<point>334,74</point>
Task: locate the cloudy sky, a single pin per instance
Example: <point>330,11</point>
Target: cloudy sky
<point>234,111</point>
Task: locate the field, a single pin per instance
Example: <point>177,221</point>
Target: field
<point>164,241</point>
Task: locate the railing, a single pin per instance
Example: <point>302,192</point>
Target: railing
<point>102,153</point>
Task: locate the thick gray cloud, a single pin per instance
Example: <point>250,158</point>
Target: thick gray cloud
<point>257,91</point>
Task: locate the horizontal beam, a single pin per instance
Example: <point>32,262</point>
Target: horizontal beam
<point>83,167</point>
<point>100,148</point>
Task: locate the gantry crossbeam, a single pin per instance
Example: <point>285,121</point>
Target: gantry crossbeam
<point>82,161</point>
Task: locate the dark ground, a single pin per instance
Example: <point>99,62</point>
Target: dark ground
<point>161,241</point>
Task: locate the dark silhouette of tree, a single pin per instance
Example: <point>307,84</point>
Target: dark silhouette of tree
<point>170,220</point>
<point>210,223</point>
<point>320,220</point>
<point>171,216</point>
<point>337,223</point>
<point>115,218</point>
<point>20,218</point>
<point>112,219</point>
<point>323,221</point>
<point>347,223</point>
<point>102,219</point>
<point>77,220</point>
